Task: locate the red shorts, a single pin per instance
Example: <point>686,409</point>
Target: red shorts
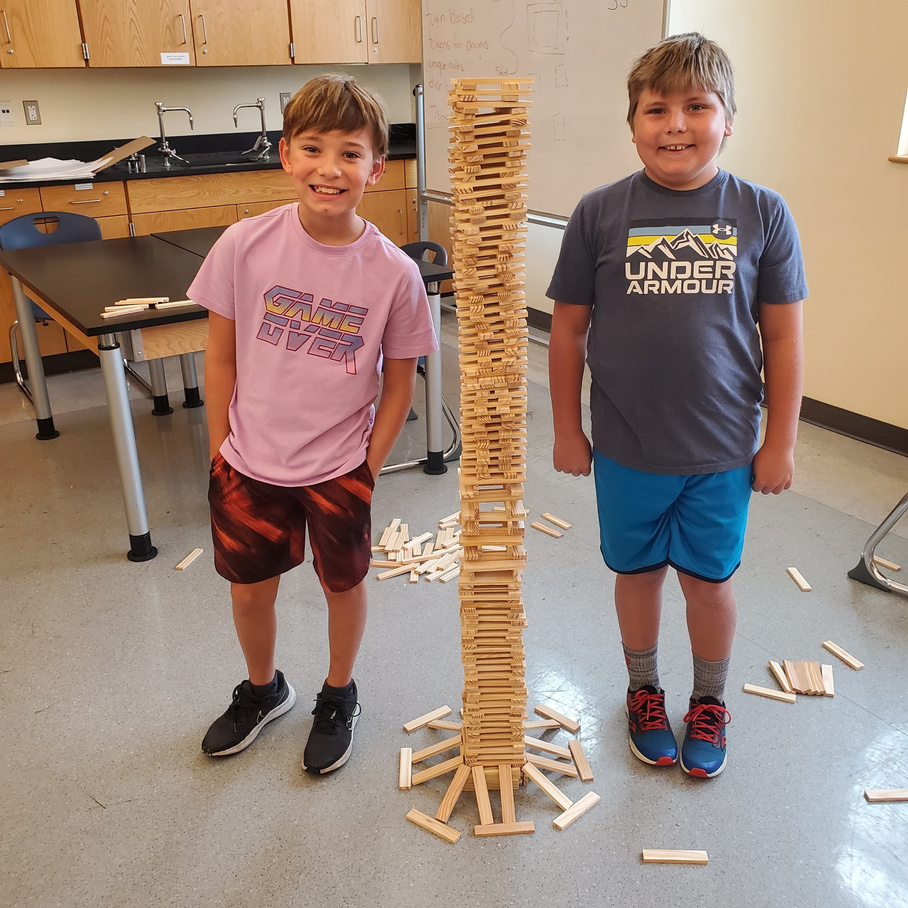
<point>259,530</point>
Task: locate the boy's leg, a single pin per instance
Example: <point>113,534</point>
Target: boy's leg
<point>638,601</point>
<point>346,626</point>
<point>255,620</point>
<point>711,621</point>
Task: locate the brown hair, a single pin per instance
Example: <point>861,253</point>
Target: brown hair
<point>337,102</point>
<point>679,63</point>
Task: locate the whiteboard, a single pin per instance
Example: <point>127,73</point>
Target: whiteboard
<point>577,51</point>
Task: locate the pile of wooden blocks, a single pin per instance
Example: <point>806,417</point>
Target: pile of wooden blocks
<point>422,556</point>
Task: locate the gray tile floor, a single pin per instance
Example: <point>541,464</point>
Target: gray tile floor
<point>111,671</point>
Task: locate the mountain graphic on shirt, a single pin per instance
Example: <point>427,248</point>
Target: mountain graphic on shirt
<point>685,246</point>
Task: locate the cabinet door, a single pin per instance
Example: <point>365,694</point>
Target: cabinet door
<point>394,31</point>
<point>248,33</point>
<point>136,32</point>
<point>14,202</point>
<point>329,32</point>
<point>155,222</point>
<point>388,211</point>
<point>40,33</point>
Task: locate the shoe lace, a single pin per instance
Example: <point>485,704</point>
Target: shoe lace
<point>649,709</point>
<point>331,712</point>
<point>706,721</point>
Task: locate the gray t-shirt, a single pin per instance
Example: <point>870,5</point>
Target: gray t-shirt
<point>675,279</point>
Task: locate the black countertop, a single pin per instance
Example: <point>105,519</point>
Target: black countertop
<point>220,153</point>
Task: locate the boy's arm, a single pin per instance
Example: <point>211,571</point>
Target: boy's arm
<point>220,378</point>
<point>398,381</point>
<point>572,452</point>
<point>783,372</point>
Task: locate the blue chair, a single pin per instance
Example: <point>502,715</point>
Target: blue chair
<point>26,231</point>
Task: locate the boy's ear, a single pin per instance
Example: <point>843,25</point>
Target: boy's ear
<point>729,128</point>
<point>284,151</point>
<point>378,168</point>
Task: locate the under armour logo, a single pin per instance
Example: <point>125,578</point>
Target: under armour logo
<point>721,229</point>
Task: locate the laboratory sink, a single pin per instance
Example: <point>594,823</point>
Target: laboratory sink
<point>214,159</point>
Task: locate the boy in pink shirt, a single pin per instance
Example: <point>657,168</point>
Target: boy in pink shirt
<point>311,309</point>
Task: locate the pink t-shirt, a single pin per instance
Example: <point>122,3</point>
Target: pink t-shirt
<point>312,325</point>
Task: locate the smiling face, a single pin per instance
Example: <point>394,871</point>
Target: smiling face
<point>678,135</point>
<point>330,171</point>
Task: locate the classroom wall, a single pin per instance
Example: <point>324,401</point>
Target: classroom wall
<point>821,88</point>
<point>119,103</point>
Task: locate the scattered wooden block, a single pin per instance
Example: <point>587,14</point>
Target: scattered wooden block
<point>547,747</point>
<point>455,789</point>
<point>795,575</point>
<point>828,685</point>
<point>482,796</point>
<point>534,774</point>
<point>188,560</point>
<point>660,856</point>
<point>422,721</point>
<point>440,829</point>
<point>490,829</point>
<point>547,530</point>
<point>768,692</point>
<point>433,772</point>
<point>566,769</point>
<point>580,761</point>
<point>847,658</point>
<point>590,799</point>
<point>889,565</point>
<point>886,794</point>
<point>557,521</point>
<point>434,749</point>
<point>405,773</point>
<point>548,713</point>
<point>780,676</point>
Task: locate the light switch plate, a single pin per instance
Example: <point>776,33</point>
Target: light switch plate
<point>6,114</point>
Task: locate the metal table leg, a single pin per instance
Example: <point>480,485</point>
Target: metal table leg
<point>191,396</point>
<point>40,399</point>
<point>435,458</point>
<point>865,570</point>
<point>124,437</point>
<point>159,388</point>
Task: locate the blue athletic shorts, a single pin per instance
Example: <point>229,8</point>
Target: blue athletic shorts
<point>693,523</point>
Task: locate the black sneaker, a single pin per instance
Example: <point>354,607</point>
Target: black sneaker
<point>331,739</point>
<point>245,717</point>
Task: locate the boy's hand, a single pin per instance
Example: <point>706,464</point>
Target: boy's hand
<point>773,470</point>
<point>572,454</point>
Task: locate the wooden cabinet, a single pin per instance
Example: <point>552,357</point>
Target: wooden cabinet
<point>387,203</point>
<point>251,33</point>
<point>14,202</point>
<point>40,33</point>
<point>356,31</point>
<point>96,200</point>
<point>175,32</point>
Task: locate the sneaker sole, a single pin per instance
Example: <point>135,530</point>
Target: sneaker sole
<point>662,761</point>
<point>698,772</point>
<point>337,763</point>
<point>279,710</point>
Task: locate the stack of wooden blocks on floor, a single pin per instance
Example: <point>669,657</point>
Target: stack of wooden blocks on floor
<point>489,141</point>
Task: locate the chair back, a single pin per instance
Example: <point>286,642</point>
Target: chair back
<point>421,249</point>
<point>61,227</point>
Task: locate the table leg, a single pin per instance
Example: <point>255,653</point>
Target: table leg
<point>192,398</point>
<point>124,436</point>
<point>435,456</point>
<point>865,570</point>
<point>40,399</point>
<point>159,388</point>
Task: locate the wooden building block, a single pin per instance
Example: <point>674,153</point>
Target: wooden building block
<point>188,560</point>
<point>534,774</point>
<point>508,813</point>
<point>828,684</point>
<point>795,575</point>
<point>452,794</point>
<point>580,761</point>
<point>438,748</point>
<point>663,856</point>
<point>405,774</point>
<point>889,565</point>
<point>590,799</point>
<point>780,676</point>
<point>768,692</point>
<point>548,713</point>
<point>847,658</point>
<point>566,769</point>
<point>433,825</point>
<point>886,794</point>
<point>422,721</point>
<point>547,530</point>
<point>557,521</point>
<point>491,829</point>
<point>482,796</point>
<point>547,747</point>
<point>440,769</point>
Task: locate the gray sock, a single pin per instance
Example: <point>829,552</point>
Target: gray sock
<point>642,670</point>
<point>709,679</point>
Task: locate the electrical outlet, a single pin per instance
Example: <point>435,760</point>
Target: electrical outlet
<point>285,99</point>
<point>6,114</point>
<point>32,113</point>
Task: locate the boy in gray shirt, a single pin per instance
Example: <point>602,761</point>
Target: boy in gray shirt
<point>678,284</point>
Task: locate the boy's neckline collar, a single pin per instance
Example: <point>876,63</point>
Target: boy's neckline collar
<point>714,183</point>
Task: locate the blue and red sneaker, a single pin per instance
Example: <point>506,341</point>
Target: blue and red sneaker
<point>648,732</point>
<point>703,749</point>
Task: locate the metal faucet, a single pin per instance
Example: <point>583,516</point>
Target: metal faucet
<point>262,144</point>
<point>165,149</point>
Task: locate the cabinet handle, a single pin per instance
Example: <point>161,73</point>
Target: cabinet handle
<point>9,37</point>
<point>11,208</point>
<point>82,201</point>
<point>358,29</point>
<point>400,222</point>
<point>374,30</point>
<point>183,24</point>
<point>204,30</point>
